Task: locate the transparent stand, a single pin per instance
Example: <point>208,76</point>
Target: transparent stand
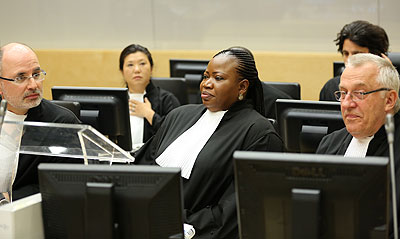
<point>53,139</point>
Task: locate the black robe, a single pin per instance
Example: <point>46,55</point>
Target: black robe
<point>162,102</point>
<point>209,193</point>
<point>328,90</point>
<point>26,180</point>
<point>338,141</point>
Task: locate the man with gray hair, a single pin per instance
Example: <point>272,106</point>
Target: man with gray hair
<point>21,79</point>
<point>368,91</point>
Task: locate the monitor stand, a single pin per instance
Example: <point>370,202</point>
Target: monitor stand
<point>305,213</point>
<point>99,212</point>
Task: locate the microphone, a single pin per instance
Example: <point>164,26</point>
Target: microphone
<point>389,126</point>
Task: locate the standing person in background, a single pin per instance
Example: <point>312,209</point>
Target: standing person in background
<point>356,37</point>
<point>200,139</point>
<point>148,103</point>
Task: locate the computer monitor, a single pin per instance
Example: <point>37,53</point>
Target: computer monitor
<point>192,70</point>
<point>106,109</point>
<point>338,68</point>
<point>291,195</point>
<point>103,201</point>
<point>303,123</point>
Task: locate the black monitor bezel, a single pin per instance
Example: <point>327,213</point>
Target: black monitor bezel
<point>182,67</point>
<point>123,137</point>
<point>262,177</point>
<point>142,201</point>
<point>192,70</point>
<point>305,109</point>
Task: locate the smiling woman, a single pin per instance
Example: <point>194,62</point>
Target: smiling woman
<point>200,139</point>
<point>148,103</point>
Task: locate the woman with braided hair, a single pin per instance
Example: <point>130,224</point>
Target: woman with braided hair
<point>201,139</point>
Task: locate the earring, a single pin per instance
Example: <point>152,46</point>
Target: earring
<point>240,96</point>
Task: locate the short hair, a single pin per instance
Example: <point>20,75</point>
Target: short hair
<point>247,69</point>
<point>132,49</point>
<point>366,35</point>
<point>387,73</point>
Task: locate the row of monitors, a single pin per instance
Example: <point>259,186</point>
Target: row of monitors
<point>278,195</point>
<point>191,72</point>
<point>301,124</point>
<point>188,93</point>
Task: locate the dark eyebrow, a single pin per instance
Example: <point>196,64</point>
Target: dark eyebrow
<point>219,72</point>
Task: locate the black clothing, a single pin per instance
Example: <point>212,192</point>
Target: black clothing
<point>26,181</point>
<point>209,194</point>
<point>328,90</point>
<point>162,102</point>
<point>338,141</point>
<point>271,94</point>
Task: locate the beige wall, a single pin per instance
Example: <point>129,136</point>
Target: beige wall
<point>100,67</point>
<point>292,25</point>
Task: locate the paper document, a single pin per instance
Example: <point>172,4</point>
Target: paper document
<point>189,231</point>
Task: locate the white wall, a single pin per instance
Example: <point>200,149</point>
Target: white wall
<point>267,25</point>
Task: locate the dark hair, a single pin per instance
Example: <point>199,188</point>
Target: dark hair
<point>366,35</point>
<point>247,69</point>
<point>132,49</point>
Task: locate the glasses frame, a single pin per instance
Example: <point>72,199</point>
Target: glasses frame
<point>362,94</point>
<point>28,77</point>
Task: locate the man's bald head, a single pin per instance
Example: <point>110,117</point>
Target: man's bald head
<point>12,49</point>
<point>19,60</point>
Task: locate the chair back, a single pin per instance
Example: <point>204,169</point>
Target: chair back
<point>290,88</point>
<point>75,107</point>
<point>175,85</point>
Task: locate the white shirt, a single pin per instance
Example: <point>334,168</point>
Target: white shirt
<point>137,123</point>
<point>183,152</point>
<point>10,139</point>
<point>358,147</point>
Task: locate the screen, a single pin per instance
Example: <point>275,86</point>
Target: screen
<point>302,123</point>
<point>106,109</point>
<point>102,201</point>
<point>338,68</point>
<point>291,195</point>
<point>192,70</point>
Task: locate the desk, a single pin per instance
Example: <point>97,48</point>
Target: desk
<point>22,219</point>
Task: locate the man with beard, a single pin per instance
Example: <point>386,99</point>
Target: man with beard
<point>21,79</point>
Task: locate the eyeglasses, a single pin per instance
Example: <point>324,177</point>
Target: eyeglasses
<point>39,76</point>
<point>355,95</point>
